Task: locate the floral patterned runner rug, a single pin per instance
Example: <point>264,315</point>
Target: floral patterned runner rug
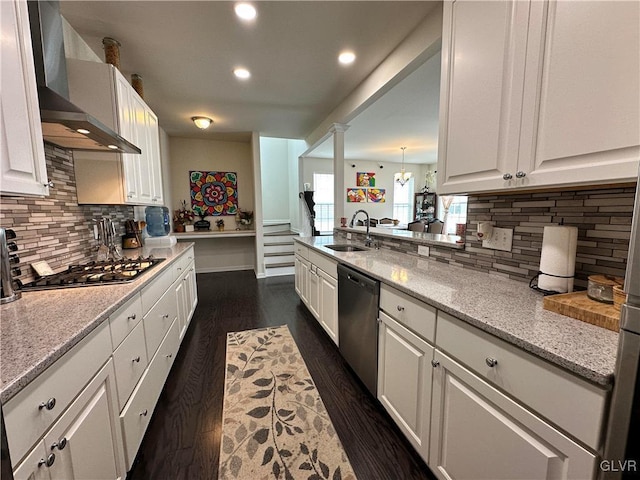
<point>274,424</point>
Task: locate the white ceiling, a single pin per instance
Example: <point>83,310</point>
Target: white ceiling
<point>186,51</point>
<point>405,116</point>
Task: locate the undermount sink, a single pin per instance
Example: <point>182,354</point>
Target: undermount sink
<point>346,248</point>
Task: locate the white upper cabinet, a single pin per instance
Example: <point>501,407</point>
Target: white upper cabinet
<point>538,94</point>
<point>22,160</point>
<point>108,178</point>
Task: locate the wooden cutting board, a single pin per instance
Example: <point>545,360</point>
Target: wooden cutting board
<point>578,305</point>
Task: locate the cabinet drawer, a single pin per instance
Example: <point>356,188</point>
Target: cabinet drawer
<point>152,293</point>
<point>181,265</point>
<point>408,311</point>
<point>302,251</point>
<point>545,388</point>
<point>124,320</point>
<point>324,263</point>
<point>137,413</point>
<point>25,421</point>
<point>130,360</point>
<point>158,320</point>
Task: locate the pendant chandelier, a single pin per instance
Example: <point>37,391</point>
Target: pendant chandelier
<point>403,177</point>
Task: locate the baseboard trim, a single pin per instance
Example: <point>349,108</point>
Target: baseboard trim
<point>235,268</point>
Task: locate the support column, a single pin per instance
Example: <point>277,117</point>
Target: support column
<point>337,130</point>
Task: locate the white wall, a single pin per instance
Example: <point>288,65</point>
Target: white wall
<point>274,166</point>
<point>384,179</point>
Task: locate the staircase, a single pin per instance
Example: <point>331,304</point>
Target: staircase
<point>278,249</point>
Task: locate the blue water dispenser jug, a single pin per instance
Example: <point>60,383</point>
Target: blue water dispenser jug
<point>158,224</point>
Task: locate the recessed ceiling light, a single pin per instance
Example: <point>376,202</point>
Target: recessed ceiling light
<point>245,11</point>
<point>83,131</point>
<point>346,58</point>
<point>242,73</point>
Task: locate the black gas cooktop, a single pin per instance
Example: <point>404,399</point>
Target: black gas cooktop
<point>95,273</point>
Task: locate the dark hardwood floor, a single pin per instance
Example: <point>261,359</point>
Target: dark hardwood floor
<point>183,438</point>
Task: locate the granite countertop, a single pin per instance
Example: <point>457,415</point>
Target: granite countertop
<point>40,327</point>
<point>506,308</point>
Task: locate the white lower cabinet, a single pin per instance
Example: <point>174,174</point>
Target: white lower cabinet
<point>328,287</point>
<point>85,416</point>
<point>137,413</point>
<point>85,442</point>
<point>404,380</point>
<point>316,283</point>
<point>479,433</point>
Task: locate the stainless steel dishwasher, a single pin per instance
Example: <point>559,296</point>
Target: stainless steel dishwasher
<point>358,297</point>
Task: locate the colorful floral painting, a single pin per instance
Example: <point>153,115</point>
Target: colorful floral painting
<point>356,195</point>
<point>376,195</point>
<point>366,179</point>
<point>214,193</point>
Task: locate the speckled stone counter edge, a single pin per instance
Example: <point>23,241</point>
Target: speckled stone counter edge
<point>16,384</point>
<point>603,375</point>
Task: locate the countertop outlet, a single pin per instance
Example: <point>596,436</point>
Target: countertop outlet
<point>423,250</point>
<point>348,236</point>
<point>501,239</point>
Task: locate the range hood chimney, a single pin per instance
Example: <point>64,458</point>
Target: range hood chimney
<point>63,123</point>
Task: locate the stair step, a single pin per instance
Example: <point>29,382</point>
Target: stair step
<point>279,244</point>
<point>276,227</point>
<point>279,232</point>
<point>279,237</point>
<point>276,271</point>
<point>279,248</point>
<point>278,258</point>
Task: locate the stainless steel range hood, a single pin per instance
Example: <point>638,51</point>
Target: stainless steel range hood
<point>63,123</point>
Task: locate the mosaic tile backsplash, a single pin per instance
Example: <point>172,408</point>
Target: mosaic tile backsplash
<point>56,228</point>
<point>603,218</point>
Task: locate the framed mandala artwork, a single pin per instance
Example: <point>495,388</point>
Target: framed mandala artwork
<point>214,193</point>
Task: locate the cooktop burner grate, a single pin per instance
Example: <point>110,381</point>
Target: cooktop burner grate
<point>95,273</point>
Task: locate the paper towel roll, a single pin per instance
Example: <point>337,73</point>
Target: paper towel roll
<point>558,258</point>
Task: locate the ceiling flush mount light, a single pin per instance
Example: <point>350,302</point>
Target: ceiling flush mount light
<point>242,73</point>
<point>245,11</point>
<point>83,131</point>
<point>346,58</point>
<point>202,122</point>
<point>403,177</point>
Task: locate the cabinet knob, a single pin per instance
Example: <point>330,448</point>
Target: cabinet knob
<point>137,359</point>
<point>507,176</point>
<point>491,362</point>
<point>166,315</point>
<point>49,461</point>
<point>49,404</point>
<point>49,184</point>
<point>435,363</point>
<point>521,174</point>
<point>400,308</point>
<point>60,444</point>
<point>170,355</point>
<point>131,317</point>
<point>143,413</point>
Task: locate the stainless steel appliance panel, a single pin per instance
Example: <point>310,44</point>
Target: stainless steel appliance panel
<point>358,298</point>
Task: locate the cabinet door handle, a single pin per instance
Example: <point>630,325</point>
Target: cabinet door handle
<point>60,444</point>
<point>131,317</point>
<point>435,363</point>
<point>521,174</point>
<point>137,359</point>
<point>49,404</point>
<point>170,355</point>
<point>49,461</point>
<point>507,176</point>
<point>166,315</point>
<point>491,362</point>
<point>144,413</point>
<point>49,184</point>
<point>400,308</point>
